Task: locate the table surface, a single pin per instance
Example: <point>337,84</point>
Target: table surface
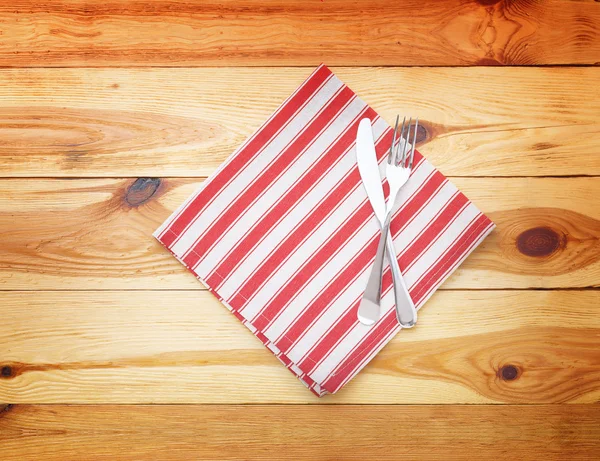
<point>112,112</point>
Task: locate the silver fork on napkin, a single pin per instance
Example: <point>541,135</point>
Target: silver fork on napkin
<point>398,168</point>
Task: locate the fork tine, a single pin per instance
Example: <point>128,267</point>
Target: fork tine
<point>406,140</point>
<point>391,154</point>
<point>399,146</point>
<point>412,151</point>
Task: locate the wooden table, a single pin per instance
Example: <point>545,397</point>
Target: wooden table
<point>113,111</point>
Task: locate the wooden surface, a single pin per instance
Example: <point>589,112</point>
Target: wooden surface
<point>183,347</point>
<point>482,121</point>
<point>300,432</point>
<point>276,32</point>
<point>96,234</point>
<point>113,112</point>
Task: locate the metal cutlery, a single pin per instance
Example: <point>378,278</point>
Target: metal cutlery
<point>398,168</point>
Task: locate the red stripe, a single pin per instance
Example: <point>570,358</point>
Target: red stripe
<point>246,298</point>
<point>286,361</point>
<point>433,232</point>
<point>470,241</point>
<point>245,156</point>
<point>454,253</point>
<point>341,328</point>
<point>383,328</point>
<point>308,380</point>
<point>261,337</point>
<point>311,268</point>
<point>306,228</point>
<point>365,257</point>
<point>336,334</point>
<point>442,277</point>
<point>295,143</point>
<point>268,177</point>
<point>287,203</point>
<point>381,342</point>
<point>411,209</point>
<point>239,316</point>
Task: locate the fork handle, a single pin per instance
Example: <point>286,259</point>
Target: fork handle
<point>369,310</point>
<point>405,308</point>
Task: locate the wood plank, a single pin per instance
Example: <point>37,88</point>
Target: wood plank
<point>184,347</point>
<point>185,122</point>
<point>274,32</point>
<point>229,432</point>
<point>96,234</point>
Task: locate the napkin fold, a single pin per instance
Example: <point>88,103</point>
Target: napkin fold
<point>284,235</point>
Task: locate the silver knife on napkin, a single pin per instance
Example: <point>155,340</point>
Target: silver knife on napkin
<point>368,168</point>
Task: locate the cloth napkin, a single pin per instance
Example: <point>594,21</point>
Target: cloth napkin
<point>284,235</point>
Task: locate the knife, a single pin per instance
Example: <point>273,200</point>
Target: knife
<point>368,168</point>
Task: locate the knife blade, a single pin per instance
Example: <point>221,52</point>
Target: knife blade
<point>368,168</point>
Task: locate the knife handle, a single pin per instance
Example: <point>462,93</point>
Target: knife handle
<point>405,308</point>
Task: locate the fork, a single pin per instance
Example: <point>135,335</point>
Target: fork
<point>399,165</point>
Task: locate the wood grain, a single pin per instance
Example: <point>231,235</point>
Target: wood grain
<point>225,432</point>
<point>94,311</point>
<point>185,122</point>
<point>258,32</point>
<point>96,234</point>
<point>184,347</point>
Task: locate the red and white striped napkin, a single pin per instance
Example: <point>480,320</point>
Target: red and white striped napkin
<point>284,235</point>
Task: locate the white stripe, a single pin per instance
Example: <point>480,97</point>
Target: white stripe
<point>483,234</point>
<point>318,390</point>
<point>270,346</point>
<point>319,191</point>
<point>296,370</point>
<point>286,223</point>
<point>361,364</point>
<point>356,287</point>
<point>285,227</point>
<point>297,259</point>
<point>341,351</point>
<point>158,233</point>
<point>251,173</point>
<point>335,264</point>
<point>310,246</point>
<point>435,251</point>
<point>256,212</point>
<point>384,341</point>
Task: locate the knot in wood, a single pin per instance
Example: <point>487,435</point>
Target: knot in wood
<point>508,372</point>
<point>422,133</point>
<point>540,241</point>
<point>141,191</point>
<point>6,371</point>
